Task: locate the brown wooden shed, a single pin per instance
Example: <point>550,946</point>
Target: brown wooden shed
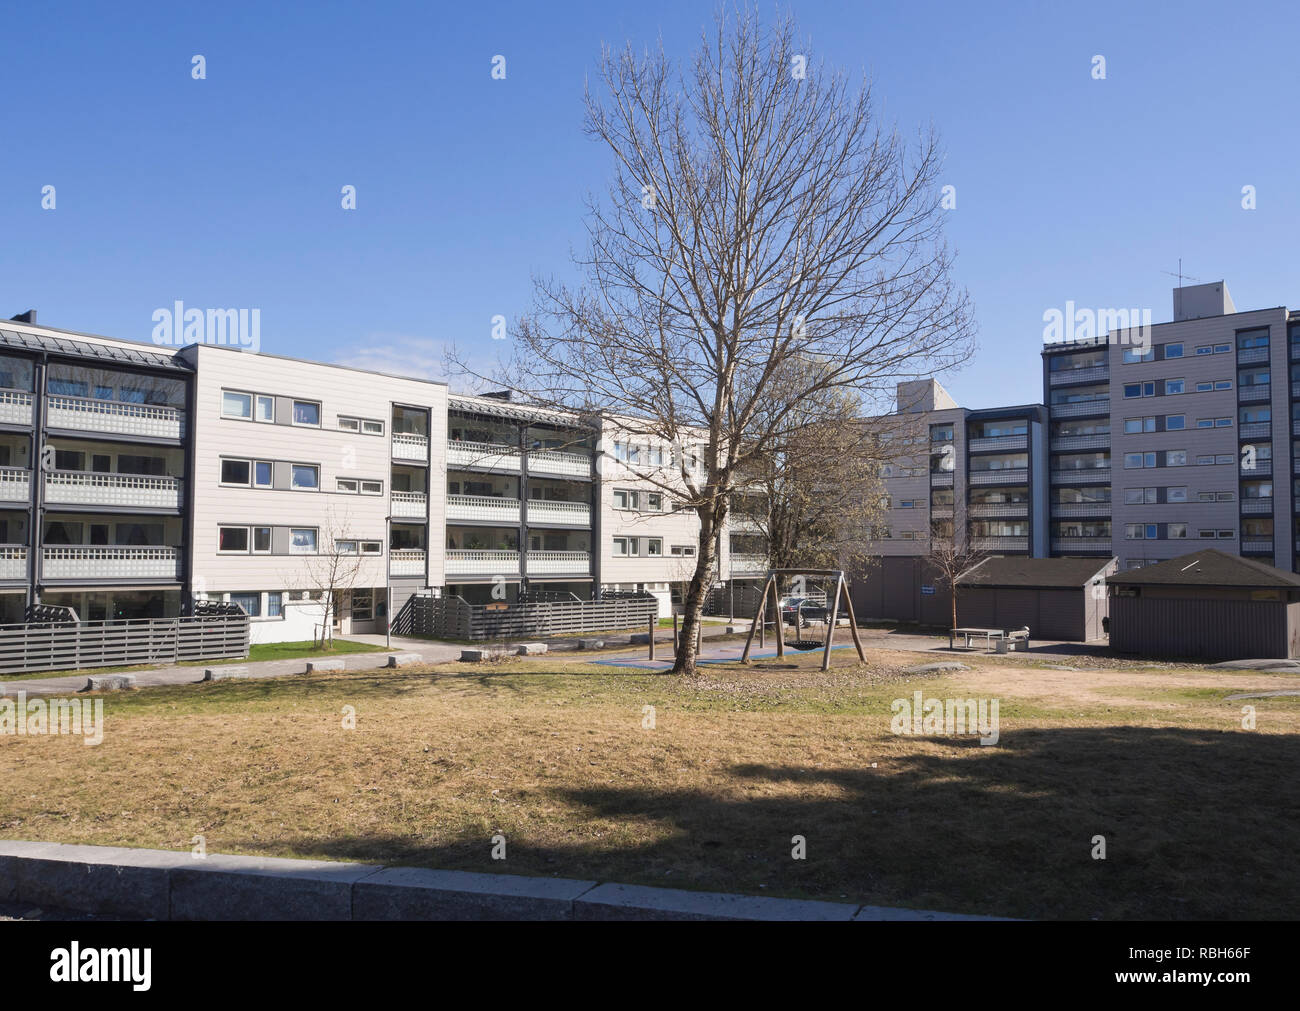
<point>1208,605</point>
<point>1058,598</point>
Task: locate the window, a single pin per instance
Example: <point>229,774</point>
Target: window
<point>1174,386</point>
<point>275,605</point>
<point>372,487</point>
<point>236,405</point>
<point>306,412</point>
<point>348,486</point>
<point>346,548</point>
<point>654,502</point>
<point>1227,535</point>
<point>1223,384</point>
<point>1255,414</point>
<point>1174,350</point>
<point>1176,494</point>
<point>250,602</point>
<point>306,476</point>
<point>624,499</point>
<point>1140,496</point>
<point>1176,531</point>
<point>620,546</point>
<point>363,605</point>
<point>1205,533</point>
<point>1252,339</point>
<point>1222,349</point>
<point>1204,387</point>
<point>371,548</point>
<point>1205,349</point>
<point>1134,531</point>
<point>1131,356</point>
<point>302,541</point>
<point>261,540</point>
<point>1136,461</point>
<point>1224,496</point>
<point>685,550</point>
<point>350,424</point>
<point>236,472</point>
<point>1176,458</point>
<point>372,427</point>
<point>262,474</point>
<point>654,546</point>
<point>232,539</point>
<point>1134,425</point>
<point>1175,422</point>
<point>265,409</point>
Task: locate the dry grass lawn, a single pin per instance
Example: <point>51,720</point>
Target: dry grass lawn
<point>1199,814</point>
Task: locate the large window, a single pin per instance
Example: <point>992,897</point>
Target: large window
<point>302,541</point>
<point>232,539</point>
<point>236,405</point>
<point>306,412</point>
<point>306,476</point>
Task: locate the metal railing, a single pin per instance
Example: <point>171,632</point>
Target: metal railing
<point>75,487</point>
<point>112,416</point>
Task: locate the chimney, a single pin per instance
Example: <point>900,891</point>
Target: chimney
<point>24,317</point>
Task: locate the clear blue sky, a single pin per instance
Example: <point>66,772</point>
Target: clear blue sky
<point>225,192</point>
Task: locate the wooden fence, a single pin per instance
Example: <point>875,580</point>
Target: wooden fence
<point>453,618</point>
<point>40,646</point>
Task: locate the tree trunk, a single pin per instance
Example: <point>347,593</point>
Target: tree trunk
<point>700,584</point>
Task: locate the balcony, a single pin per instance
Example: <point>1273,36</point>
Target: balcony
<point>1068,377</point>
<point>408,446</point>
<point>1082,409</point>
<point>407,562</point>
<point>1018,475</point>
<point>13,561</point>
<point>1001,543</point>
<point>15,484</point>
<point>940,479</point>
<point>1089,544</point>
<point>410,505</point>
<point>15,408</point>
<point>559,563</point>
<point>1262,468</point>
<point>1071,509</point>
<point>123,491</point>
<point>567,514</point>
<point>1255,430</point>
<point>483,456</point>
<point>110,417</point>
<point>1295,427</point>
<point>998,442</point>
<point>111,563</point>
<point>1082,475</point>
<point>1257,545</point>
<point>1016,510</point>
<point>1066,442</point>
<point>753,565</point>
<point>484,509</point>
<point>481,562</point>
<point>1259,391</point>
<point>941,513</point>
<point>553,463</point>
<point>1256,506</point>
<point>1249,356</point>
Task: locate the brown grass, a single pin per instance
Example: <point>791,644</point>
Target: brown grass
<point>1197,812</point>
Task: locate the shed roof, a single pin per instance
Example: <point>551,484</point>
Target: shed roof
<point>1034,573</point>
<point>1208,568</point>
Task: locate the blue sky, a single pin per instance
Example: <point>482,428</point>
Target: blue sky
<point>225,192</point>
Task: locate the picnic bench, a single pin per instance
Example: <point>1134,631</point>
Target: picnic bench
<point>989,635</point>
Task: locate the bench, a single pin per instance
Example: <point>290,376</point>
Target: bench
<point>1016,640</point>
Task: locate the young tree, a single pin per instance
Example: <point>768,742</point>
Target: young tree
<point>765,240</point>
<point>951,555</point>
<point>333,569</point>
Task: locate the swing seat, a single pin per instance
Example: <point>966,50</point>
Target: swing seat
<point>804,645</point>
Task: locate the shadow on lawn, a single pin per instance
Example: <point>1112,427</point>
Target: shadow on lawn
<point>1198,825</point>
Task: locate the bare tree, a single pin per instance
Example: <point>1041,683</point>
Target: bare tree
<point>950,555</point>
<point>333,569</point>
<point>759,215</point>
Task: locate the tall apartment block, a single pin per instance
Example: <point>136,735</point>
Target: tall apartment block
<point>136,479</point>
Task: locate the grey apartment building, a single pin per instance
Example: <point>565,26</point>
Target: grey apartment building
<point>1148,439</point>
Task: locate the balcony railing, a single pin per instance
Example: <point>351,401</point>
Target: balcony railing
<point>15,407</point>
<point>1249,356</point>
<point>84,562</point>
<point>748,563</point>
<point>559,563</point>
<point>13,561</point>
<point>15,484</point>
<point>1081,543</point>
<point>1018,475</point>
<point>1081,442</point>
<point>941,479</point>
<point>1258,391</point>
<point>1083,475</point>
<point>998,442</point>
<point>408,446</point>
<point>1255,430</point>
<point>1257,545</point>
<point>569,514</point>
<point>1262,468</point>
<point>484,455</point>
<point>407,561</point>
<point>483,509</point>
<point>941,513</point>
<point>75,487</point>
<point>1295,389</point>
<point>481,562</point>
<point>410,505</point>
<point>112,417</point>
<point>1295,427</point>
<point>1091,374</point>
<point>1256,506</point>
<point>1015,509</point>
<point>1000,543</point>
<point>1069,509</point>
<point>559,464</point>
<point>1081,409</point>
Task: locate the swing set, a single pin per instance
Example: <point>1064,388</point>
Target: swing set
<point>803,645</point>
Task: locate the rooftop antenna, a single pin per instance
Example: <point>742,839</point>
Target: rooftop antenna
<point>1178,311</point>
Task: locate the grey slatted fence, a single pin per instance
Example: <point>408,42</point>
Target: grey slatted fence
<point>35,646</point>
<point>453,618</point>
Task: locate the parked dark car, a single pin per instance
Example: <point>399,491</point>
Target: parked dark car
<point>810,610</point>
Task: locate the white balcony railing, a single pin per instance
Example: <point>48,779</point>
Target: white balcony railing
<point>1015,509</point>
<point>1001,543</point>
<point>90,415</point>
<point>15,484</point>
<point>559,464</point>
<point>941,479</point>
<point>1256,506</point>
<point>485,509</point>
<point>559,563</point>
<point>74,487</point>
<point>410,505</point>
<point>407,562</point>
<point>1257,545</point>
<point>13,561</point>
<point>569,514</point>
<point>1255,430</point>
<point>1259,391</point>
<point>484,455</point>
<point>407,446</point>
<point>481,562</point>
<point>1249,356</point>
<point>85,562</point>
<point>15,407</point>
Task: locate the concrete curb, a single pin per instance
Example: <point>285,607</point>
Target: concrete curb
<point>167,885</point>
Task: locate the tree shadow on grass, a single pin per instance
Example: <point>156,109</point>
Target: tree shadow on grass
<point>1197,825</point>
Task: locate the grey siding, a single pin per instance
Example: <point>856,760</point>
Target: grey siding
<point>1209,628</point>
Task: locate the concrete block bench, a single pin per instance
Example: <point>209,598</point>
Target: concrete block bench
<point>483,655</point>
<point>320,666</point>
<point>109,682</point>
<point>405,660</point>
<point>232,673</point>
<point>591,644</point>
<point>530,648</point>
